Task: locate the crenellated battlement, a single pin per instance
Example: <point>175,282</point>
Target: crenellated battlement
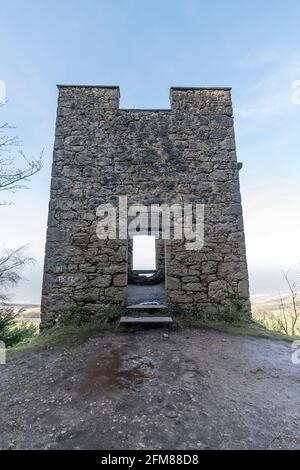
<point>83,95</point>
<point>180,97</point>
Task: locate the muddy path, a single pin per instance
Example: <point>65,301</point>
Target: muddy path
<point>192,389</point>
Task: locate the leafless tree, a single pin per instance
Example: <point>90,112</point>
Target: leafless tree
<point>16,169</point>
<point>11,263</point>
<point>288,319</point>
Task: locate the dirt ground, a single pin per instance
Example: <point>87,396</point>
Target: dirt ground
<point>155,389</point>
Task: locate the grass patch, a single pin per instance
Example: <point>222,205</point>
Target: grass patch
<point>108,316</point>
<point>236,323</point>
<point>254,329</point>
<point>73,328</point>
<point>58,336</point>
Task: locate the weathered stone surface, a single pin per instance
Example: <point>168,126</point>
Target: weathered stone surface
<point>194,287</point>
<point>173,283</point>
<point>101,281</point>
<point>80,239</point>
<point>120,280</point>
<point>217,290</point>
<point>183,155</point>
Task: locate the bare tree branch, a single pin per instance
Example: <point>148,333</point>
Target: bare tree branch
<point>15,168</point>
<point>11,264</point>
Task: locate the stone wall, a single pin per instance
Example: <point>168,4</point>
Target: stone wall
<point>185,154</point>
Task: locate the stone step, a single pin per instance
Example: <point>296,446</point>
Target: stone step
<point>146,310</point>
<point>147,306</point>
<point>146,320</point>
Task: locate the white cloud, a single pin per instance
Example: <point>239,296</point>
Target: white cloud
<point>273,94</point>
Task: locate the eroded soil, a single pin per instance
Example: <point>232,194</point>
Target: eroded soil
<point>192,389</point>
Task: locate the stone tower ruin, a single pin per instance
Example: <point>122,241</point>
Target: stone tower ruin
<point>185,154</point>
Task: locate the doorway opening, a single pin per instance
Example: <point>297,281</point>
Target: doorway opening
<point>144,254</point>
<point>146,271</point>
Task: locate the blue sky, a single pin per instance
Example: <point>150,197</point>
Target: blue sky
<point>145,47</point>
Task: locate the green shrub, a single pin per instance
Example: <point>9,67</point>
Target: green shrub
<point>233,312</point>
<point>12,333</point>
<point>78,317</point>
